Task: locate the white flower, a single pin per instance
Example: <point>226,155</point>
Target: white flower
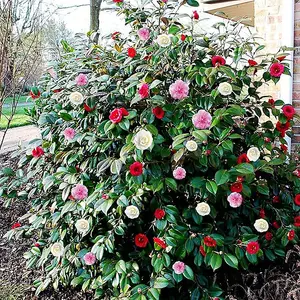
<point>132,212</point>
<point>267,158</point>
<point>225,88</point>
<point>143,140</point>
<point>191,146</point>
<point>203,209</point>
<point>261,225</point>
<point>76,98</point>
<point>253,154</point>
<point>82,226</point>
<point>163,40</point>
<point>57,249</point>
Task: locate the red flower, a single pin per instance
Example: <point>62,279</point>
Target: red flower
<point>117,115</point>
<point>276,225</point>
<point>38,152</point>
<point>297,173</point>
<point>36,245</point>
<point>136,169</point>
<point>243,158</point>
<point>282,128</point>
<point>276,69</point>
<point>269,236</point>
<point>252,247</point>
<point>16,225</point>
<point>124,112</point>
<point>160,242</point>
<point>141,240</point>
<point>289,111</point>
<point>281,58</point>
<point>236,187</point>
<point>262,213</point>
<point>252,63</point>
<point>283,147</point>
<point>131,52</point>
<point>240,179</point>
<point>88,108</point>
<point>195,15</point>
<point>118,1</point>
<point>291,235</point>
<point>297,200</point>
<point>272,102</point>
<point>159,213</point>
<point>35,94</point>
<point>218,61</point>
<point>202,251</point>
<point>297,221</point>
<point>158,112</point>
<point>115,35</point>
<point>267,140</point>
<point>207,152</point>
<point>276,199</point>
<point>105,196</point>
<point>144,91</point>
<point>183,37</point>
<point>209,242</point>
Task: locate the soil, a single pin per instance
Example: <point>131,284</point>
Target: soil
<point>15,279</point>
<point>268,283</point>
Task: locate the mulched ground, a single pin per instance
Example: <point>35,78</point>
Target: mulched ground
<point>271,283</point>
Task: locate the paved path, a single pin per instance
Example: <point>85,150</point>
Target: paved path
<point>16,135</point>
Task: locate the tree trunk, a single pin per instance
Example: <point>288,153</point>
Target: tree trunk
<point>95,6</point>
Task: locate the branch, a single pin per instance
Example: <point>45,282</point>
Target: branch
<point>73,6</point>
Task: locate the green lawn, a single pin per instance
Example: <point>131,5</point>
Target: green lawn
<point>22,99</point>
<point>19,119</point>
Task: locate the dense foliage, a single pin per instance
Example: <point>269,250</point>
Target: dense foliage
<point>160,161</point>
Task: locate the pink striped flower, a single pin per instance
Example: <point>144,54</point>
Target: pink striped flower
<point>69,133</point>
<point>202,119</point>
<point>79,192</point>
<point>89,258</point>
<point>178,267</point>
<point>81,80</point>
<point>235,199</point>
<point>179,173</point>
<point>144,34</point>
<point>179,90</point>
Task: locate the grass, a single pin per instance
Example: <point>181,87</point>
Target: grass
<point>19,119</point>
<point>22,99</point>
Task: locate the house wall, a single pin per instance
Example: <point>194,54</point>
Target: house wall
<point>268,24</point>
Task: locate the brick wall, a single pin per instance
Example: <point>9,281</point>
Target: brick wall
<point>268,20</point>
<point>268,25</point>
<point>296,86</point>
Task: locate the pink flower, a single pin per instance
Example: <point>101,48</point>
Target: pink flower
<point>89,258</point>
<point>202,119</point>
<point>79,192</point>
<point>144,34</point>
<point>235,199</point>
<point>178,267</point>
<point>144,91</point>
<point>276,69</point>
<point>69,133</point>
<point>179,173</point>
<point>179,90</point>
<point>81,79</point>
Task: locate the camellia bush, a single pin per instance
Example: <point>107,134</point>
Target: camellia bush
<point>161,165</point>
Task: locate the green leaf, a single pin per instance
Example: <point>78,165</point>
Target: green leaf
<point>227,71</point>
<point>215,261</point>
<point>188,273</point>
<point>245,169</point>
<point>193,3</point>
<point>211,186</point>
<point>153,294</point>
<point>221,177</point>
<point>174,29</point>
<point>231,260</point>
<point>171,183</point>
<point>160,283</point>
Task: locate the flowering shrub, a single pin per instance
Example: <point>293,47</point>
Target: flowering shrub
<point>154,170</point>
